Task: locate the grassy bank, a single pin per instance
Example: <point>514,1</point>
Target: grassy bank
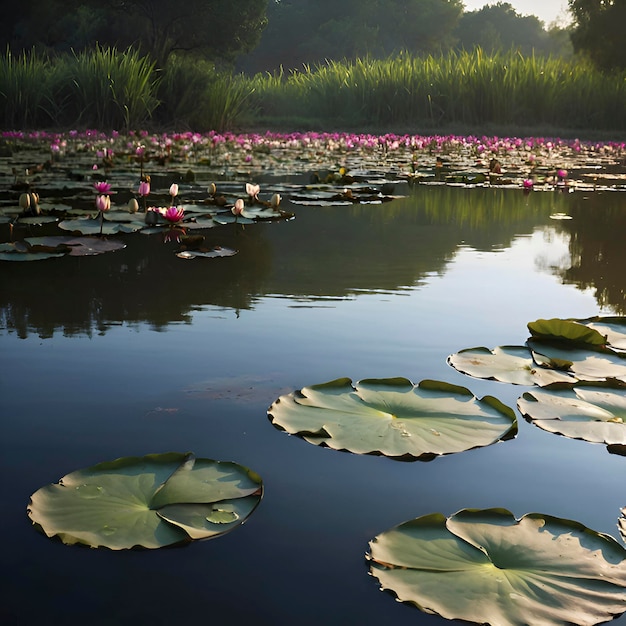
<point>111,89</point>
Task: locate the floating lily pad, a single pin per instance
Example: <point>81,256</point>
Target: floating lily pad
<point>393,417</point>
<point>229,218</point>
<point>595,414</point>
<point>77,246</point>
<point>88,226</point>
<point>150,502</point>
<point>613,328</point>
<point>218,251</point>
<point>584,364</point>
<point>38,220</point>
<point>507,364</point>
<point>569,331</point>
<point>487,567</point>
<point>15,252</point>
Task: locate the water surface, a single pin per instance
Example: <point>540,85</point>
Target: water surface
<point>139,352</point>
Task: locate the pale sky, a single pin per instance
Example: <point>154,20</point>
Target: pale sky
<point>546,10</point>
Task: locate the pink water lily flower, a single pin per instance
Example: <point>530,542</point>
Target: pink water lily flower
<point>238,208</point>
<point>102,187</point>
<point>174,214</point>
<point>173,190</point>
<point>103,203</point>
<point>253,190</point>
<point>528,183</point>
<point>144,188</point>
<point>561,174</point>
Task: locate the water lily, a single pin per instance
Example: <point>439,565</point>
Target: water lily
<point>102,188</point>
<point>133,205</point>
<point>238,207</point>
<point>103,203</point>
<point>253,191</point>
<point>174,214</point>
<point>528,183</point>
<point>144,188</point>
<point>25,201</point>
<point>275,201</point>
<point>561,174</point>
<point>173,190</point>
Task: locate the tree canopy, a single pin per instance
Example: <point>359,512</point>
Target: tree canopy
<point>218,29</point>
<point>310,31</point>
<point>303,32</point>
<point>599,31</point>
<point>500,27</point>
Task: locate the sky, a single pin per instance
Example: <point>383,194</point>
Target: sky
<point>546,10</point>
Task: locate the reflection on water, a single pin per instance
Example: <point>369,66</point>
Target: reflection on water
<point>325,253</point>
<point>138,352</point>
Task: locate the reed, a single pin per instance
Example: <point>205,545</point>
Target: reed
<point>111,89</point>
<point>464,88</point>
<point>106,88</point>
<point>25,90</point>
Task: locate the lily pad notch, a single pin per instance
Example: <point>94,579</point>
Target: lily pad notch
<point>149,502</point>
<point>393,417</point>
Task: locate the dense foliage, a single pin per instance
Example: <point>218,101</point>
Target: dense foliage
<point>114,89</point>
<point>217,29</point>
<point>303,32</point>
<point>599,31</point>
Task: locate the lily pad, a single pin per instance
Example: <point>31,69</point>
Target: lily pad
<point>569,331</point>
<point>18,251</point>
<point>507,364</point>
<point>150,502</point>
<point>88,226</point>
<point>613,328</point>
<point>584,364</point>
<point>487,567</point>
<point>77,246</point>
<point>393,417</point>
<point>218,251</point>
<point>595,414</point>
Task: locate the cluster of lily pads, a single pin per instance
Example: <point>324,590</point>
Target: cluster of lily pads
<point>515,567</point>
<point>53,175</point>
<point>483,566</point>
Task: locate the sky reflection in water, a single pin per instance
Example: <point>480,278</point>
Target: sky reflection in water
<point>141,354</point>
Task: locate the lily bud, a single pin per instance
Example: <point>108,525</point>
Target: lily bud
<point>133,205</point>
<point>275,201</point>
<point>34,203</point>
<point>173,190</point>
<point>25,201</point>
<point>103,203</point>
<point>238,208</point>
<point>144,188</point>
<point>212,189</point>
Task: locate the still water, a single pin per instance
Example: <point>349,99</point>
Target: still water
<point>139,352</point>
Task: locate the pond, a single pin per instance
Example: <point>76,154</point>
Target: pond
<point>138,351</point>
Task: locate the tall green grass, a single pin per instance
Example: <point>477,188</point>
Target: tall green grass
<point>111,89</point>
<point>465,88</point>
<point>195,95</point>
<point>106,88</point>
<point>26,90</point>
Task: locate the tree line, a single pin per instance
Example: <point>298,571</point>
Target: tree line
<point>265,35</point>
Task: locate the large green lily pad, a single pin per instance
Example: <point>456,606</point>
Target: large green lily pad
<point>507,364</point>
<point>595,414</point>
<point>150,502</point>
<point>570,331</point>
<point>393,417</point>
<point>487,567</point>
